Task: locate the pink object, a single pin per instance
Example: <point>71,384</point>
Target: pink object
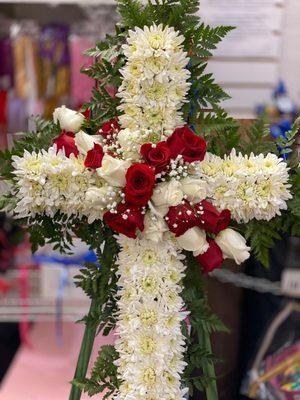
<point>81,85</point>
<point>44,372</point>
<point>277,359</point>
<point>24,323</point>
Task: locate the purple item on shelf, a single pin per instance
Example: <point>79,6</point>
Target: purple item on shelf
<point>54,44</point>
<point>17,115</point>
<point>6,64</point>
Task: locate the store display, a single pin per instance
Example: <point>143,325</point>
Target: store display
<point>275,375</point>
<point>41,69</point>
<point>157,180</point>
<point>281,113</point>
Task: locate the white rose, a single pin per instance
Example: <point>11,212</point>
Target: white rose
<point>233,245</point>
<point>167,194</point>
<point>85,142</point>
<point>97,198</point>
<point>195,189</point>
<point>113,170</point>
<point>69,120</point>
<point>129,142</point>
<point>194,239</point>
<point>155,228</point>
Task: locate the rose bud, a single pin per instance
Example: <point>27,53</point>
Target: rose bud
<point>69,120</point>
<point>66,141</point>
<point>85,142</point>
<point>181,218</point>
<point>193,239</point>
<point>210,219</point>
<point>158,157</point>
<point>140,181</point>
<point>126,221</point>
<point>186,143</point>
<point>113,170</point>
<point>233,245</point>
<point>109,129</point>
<point>94,157</point>
<point>212,258</point>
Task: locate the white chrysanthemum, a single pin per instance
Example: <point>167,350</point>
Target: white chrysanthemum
<point>251,187</point>
<point>49,182</point>
<point>155,81</point>
<point>150,343</point>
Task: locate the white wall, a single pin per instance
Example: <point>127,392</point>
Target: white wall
<point>264,48</point>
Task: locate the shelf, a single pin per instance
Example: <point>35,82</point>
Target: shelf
<point>82,3</point>
<point>60,306</point>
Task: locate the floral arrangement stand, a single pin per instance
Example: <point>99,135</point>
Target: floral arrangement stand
<point>160,184</point>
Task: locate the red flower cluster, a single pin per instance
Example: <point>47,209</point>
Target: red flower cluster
<point>109,129</point>
<point>182,142</point>
<point>212,258</point>
<point>94,157</point>
<point>140,182</point>
<point>158,156</point>
<point>66,141</point>
<point>212,220</point>
<point>205,216</point>
<point>126,220</point>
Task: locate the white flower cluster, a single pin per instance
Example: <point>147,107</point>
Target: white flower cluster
<point>154,82</point>
<point>150,342</point>
<point>251,187</point>
<point>48,182</point>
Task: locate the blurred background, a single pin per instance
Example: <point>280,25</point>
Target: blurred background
<point>258,64</point>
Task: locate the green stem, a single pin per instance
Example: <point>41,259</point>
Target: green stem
<point>209,369</point>
<point>85,351</point>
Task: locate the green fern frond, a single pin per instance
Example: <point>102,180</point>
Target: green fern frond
<point>103,376</point>
<point>257,139</point>
<point>205,39</point>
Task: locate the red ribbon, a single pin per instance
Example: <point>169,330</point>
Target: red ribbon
<point>24,322</point>
<point>3,119</point>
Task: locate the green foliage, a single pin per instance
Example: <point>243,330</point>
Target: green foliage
<point>257,139</point>
<point>100,282</point>
<point>41,138</point>
<point>132,13</point>
<point>262,238</point>
<point>199,373</point>
<point>56,231</point>
<point>102,105</point>
<point>291,219</point>
<point>205,39</point>
<point>294,203</point>
<point>285,144</point>
<point>103,376</point>
<point>220,131</point>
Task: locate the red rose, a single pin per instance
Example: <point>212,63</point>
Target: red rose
<point>212,258</point>
<point>109,129</point>
<point>94,157</point>
<point>158,157</point>
<point>126,221</point>
<point>181,218</point>
<point>66,141</point>
<point>185,142</point>
<point>140,181</point>
<point>212,220</point>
